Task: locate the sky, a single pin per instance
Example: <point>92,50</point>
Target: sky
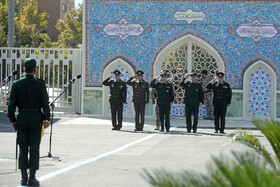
<point>77,2</point>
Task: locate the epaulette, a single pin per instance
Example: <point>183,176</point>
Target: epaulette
<point>41,80</point>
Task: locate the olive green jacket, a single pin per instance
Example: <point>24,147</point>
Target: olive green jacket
<point>165,92</point>
<point>140,91</point>
<point>193,93</point>
<point>37,98</point>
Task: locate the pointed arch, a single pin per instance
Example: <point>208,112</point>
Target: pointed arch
<point>128,70</point>
<point>119,58</point>
<point>251,62</point>
<point>177,41</point>
<point>249,87</point>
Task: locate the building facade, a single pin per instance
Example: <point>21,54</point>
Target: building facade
<point>55,9</point>
<point>240,38</point>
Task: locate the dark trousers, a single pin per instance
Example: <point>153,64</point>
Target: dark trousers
<point>29,141</point>
<point>164,113</point>
<point>139,110</point>
<point>189,110</point>
<point>117,108</point>
<point>220,111</point>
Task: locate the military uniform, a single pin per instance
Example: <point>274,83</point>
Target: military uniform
<point>30,96</point>
<point>140,98</point>
<point>165,96</point>
<point>117,99</point>
<point>154,96</point>
<point>193,96</point>
<point>221,99</point>
<point>208,97</point>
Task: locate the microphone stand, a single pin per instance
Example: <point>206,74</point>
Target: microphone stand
<point>6,81</point>
<point>52,107</point>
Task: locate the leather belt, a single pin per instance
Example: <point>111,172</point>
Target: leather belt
<point>29,109</point>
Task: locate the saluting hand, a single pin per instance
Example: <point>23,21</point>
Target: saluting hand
<point>14,126</point>
<point>134,76</point>
<point>187,76</point>
<point>110,76</point>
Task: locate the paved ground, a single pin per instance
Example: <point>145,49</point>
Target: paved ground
<point>93,155</point>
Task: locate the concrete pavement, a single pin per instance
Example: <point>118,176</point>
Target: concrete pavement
<point>93,155</point>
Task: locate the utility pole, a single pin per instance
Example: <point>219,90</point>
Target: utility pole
<point>11,29</point>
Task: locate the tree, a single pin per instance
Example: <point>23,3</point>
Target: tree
<point>70,29</point>
<point>3,23</point>
<point>32,24</point>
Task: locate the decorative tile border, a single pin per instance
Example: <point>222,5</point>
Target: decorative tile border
<point>248,63</point>
<point>182,34</point>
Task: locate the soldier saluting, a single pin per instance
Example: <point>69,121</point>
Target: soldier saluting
<point>165,98</point>
<point>140,98</point>
<point>117,98</point>
<point>193,98</point>
<point>30,96</point>
<point>221,100</point>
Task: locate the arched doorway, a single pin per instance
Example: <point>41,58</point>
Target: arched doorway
<point>259,92</point>
<point>186,55</point>
<point>126,71</point>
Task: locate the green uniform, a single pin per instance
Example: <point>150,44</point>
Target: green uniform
<point>29,118</point>
<point>193,96</point>
<point>222,97</point>
<point>117,98</point>
<point>165,96</point>
<point>140,98</point>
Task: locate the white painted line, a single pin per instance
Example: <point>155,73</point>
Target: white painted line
<point>93,159</point>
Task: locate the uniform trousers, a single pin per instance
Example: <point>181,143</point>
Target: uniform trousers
<point>208,100</point>
<point>157,116</point>
<point>164,113</point>
<point>117,109</point>
<point>29,139</point>
<point>220,111</point>
<point>192,110</point>
<point>139,111</point>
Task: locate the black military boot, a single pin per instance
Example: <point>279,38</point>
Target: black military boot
<point>24,177</point>
<point>32,179</point>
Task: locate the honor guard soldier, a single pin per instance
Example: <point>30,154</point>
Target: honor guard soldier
<point>208,98</point>
<point>221,100</point>
<point>140,98</point>
<point>30,96</point>
<point>193,99</point>
<point>165,98</point>
<point>117,98</point>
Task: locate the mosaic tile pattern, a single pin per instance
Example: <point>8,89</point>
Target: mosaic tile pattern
<point>161,28</point>
<point>179,111</point>
<point>124,77</point>
<point>259,94</point>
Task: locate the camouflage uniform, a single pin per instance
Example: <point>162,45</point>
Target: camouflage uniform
<point>208,97</point>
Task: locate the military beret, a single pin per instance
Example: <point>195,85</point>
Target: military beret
<point>193,74</point>
<point>204,72</point>
<point>164,71</point>
<point>30,63</point>
<point>139,72</point>
<point>220,74</point>
<point>117,72</point>
<point>164,74</point>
